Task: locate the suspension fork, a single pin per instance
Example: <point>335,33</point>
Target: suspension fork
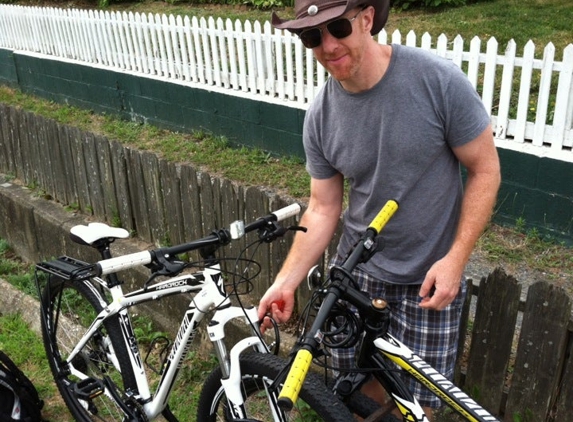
<point>230,361</point>
<point>216,331</point>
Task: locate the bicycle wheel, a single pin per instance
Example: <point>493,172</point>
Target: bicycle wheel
<point>258,371</point>
<point>101,369</point>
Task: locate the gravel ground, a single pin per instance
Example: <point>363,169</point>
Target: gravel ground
<point>479,266</point>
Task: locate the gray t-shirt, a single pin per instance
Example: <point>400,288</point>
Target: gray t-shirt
<point>394,142</point>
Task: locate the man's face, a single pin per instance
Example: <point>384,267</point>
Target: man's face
<point>341,55</point>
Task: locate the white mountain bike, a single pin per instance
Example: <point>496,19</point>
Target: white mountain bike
<point>93,351</point>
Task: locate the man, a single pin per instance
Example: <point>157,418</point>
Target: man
<point>396,122</point>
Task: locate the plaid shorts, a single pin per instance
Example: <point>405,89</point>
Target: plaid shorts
<point>432,335</point>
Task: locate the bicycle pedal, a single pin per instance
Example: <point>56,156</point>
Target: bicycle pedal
<point>88,388</point>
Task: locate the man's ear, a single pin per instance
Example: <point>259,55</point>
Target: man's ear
<point>368,18</point>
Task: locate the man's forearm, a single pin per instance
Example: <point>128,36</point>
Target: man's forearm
<point>308,246</point>
<point>477,207</point>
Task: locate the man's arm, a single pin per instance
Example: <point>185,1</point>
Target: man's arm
<point>320,219</point>
<point>480,158</point>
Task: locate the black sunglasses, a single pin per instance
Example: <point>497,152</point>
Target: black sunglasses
<point>340,28</point>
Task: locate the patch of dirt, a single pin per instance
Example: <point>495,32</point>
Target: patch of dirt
<point>526,256</point>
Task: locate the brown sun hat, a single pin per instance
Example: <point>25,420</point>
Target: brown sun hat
<point>311,13</point>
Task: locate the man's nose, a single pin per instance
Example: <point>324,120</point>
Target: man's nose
<point>329,42</point>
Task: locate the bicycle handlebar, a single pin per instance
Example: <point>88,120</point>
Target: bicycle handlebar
<point>303,359</point>
<point>222,237</point>
<point>384,216</point>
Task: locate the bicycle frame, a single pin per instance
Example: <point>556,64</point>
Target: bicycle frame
<point>401,355</point>
<point>208,286</point>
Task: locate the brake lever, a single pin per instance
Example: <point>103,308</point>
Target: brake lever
<point>278,231</point>
<point>162,266</point>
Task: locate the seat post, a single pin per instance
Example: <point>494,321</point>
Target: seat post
<point>102,246</point>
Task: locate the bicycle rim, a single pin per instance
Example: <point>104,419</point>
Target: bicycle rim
<point>258,371</point>
<point>102,366</point>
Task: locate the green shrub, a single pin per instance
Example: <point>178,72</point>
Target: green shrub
<point>264,4</point>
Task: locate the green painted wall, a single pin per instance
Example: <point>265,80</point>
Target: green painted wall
<point>178,107</point>
<point>536,190</point>
<point>8,74</point>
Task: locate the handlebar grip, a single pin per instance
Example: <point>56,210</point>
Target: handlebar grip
<point>113,265</point>
<point>286,212</point>
<point>384,216</point>
<point>295,379</point>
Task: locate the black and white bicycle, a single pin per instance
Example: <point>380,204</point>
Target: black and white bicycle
<point>380,354</point>
<point>93,352</point>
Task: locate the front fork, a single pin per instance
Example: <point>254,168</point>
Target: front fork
<point>229,362</point>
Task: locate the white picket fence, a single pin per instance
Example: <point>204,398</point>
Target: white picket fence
<point>530,99</point>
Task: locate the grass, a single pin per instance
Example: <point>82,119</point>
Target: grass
<point>32,361</point>
<point>15,271</point>
<point>541,21</point>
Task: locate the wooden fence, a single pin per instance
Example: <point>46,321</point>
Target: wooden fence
<point>158,201</point>
<point>515,358</point>
<point>531,112</point>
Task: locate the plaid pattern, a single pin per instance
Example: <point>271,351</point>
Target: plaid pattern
<point>432,335</point>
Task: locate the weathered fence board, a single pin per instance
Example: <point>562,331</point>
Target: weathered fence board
<point>279,248</point>
<point>564,405</point>
<point>56,162</point>
<point>24,145</point>
<point>152,192</point>
<point>137,194</point>
<point>66,179</point>
<point>465,332</point>
<point>94,179</point>
<point>121,186</point>
<point>230,212</point>
<point>74,136</point>
<point>257,204</point>
<point>105,164</point>
<point>191,204</point>
<point>540,353</point>
<point>208,212</point>
<point>5,153</point>
<point>492,338</point>
<point>45,160</point>
<point>173,212</point>
<point>30,131</point>
<point>15,148</point>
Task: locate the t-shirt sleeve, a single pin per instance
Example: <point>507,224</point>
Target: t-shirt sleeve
<point>316,163</point>
<point>466,117</point>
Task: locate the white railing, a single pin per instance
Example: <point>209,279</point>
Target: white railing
<point>532,112</point>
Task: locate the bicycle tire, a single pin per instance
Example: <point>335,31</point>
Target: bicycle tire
<point>68,308</point>
<point>258,370</point>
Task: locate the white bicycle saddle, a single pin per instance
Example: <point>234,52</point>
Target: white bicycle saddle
<point>96,231</point>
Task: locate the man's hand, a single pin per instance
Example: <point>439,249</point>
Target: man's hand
<point>278,302</point>
<point>441,285</point>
